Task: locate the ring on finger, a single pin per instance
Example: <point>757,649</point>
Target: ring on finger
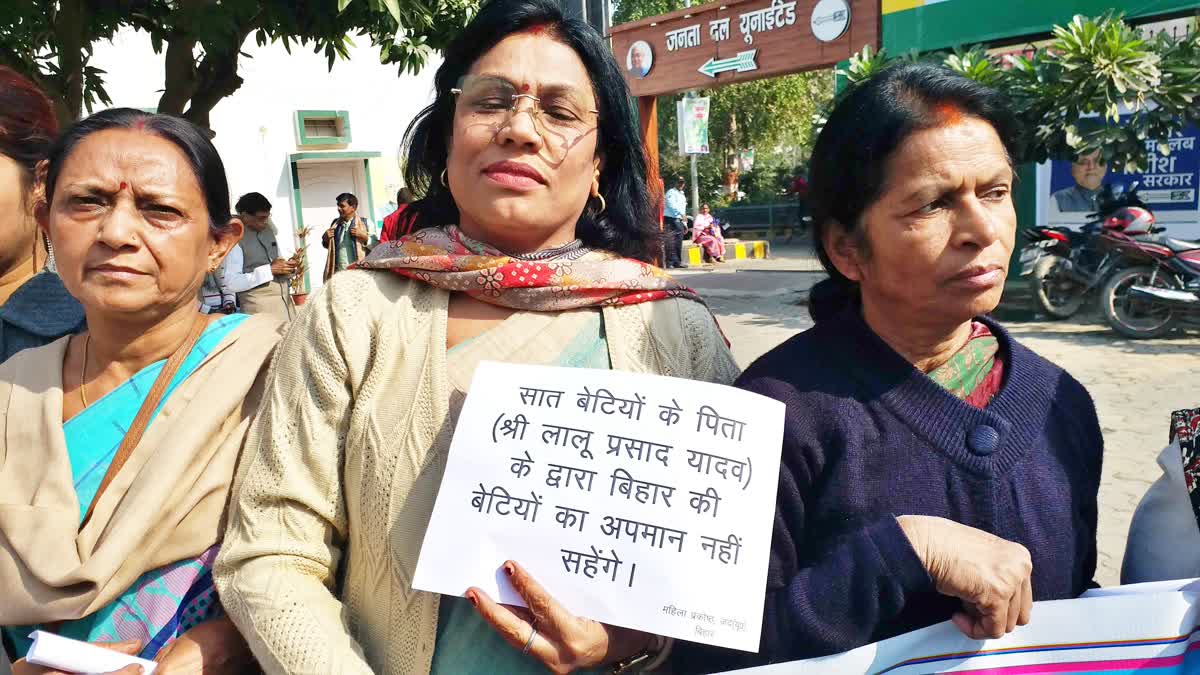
<point>529,642</point>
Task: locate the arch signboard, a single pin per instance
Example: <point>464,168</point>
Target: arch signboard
<point>740,40</point>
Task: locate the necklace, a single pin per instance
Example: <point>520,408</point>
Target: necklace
<point>550,252</point>
<point>87,340</point>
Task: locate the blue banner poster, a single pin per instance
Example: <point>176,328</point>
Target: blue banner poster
<point>1169,184</point>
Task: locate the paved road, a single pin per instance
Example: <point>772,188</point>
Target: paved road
<point>1136,384</point>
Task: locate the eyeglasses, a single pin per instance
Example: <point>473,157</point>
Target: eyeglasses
<point>561,116</point>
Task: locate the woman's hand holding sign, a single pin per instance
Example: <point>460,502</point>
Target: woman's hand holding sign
<point>545,630</point>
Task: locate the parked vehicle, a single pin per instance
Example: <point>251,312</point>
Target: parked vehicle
<point>1157,285</point>
<point>1065,266</point>
<point>1051,260</point>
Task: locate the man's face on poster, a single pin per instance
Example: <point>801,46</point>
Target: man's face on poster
<point>637,59</point>
<point>1089,170</point>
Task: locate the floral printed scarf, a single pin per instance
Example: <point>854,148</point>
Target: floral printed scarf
<point>975,373</point>
<point>1185,430</point>
<point>568,277</point>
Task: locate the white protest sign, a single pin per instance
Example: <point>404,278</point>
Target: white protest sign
<point>72,656</point>
<point>635,500</point>
<point>1141,628</point>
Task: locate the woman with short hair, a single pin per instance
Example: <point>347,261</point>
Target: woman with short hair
<point>933,468</point>
<point>120,443</point>
<point>533,237</point>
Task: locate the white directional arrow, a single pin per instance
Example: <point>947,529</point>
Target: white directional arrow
<point>742,63</point>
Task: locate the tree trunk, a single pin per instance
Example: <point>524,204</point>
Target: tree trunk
<point>70,25</point>
<point>180,81</point>
<point>201,86</point>
<point>218,79</point>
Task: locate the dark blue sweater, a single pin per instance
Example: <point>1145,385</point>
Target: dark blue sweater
<point>39,312</point>
<point>869,438</point>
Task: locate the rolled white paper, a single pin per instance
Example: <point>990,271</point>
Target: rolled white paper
<point>73,656</point>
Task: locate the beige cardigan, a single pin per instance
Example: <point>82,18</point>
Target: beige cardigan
<point>341,469</point>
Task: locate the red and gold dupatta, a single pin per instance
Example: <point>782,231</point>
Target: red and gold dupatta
<point>569,277</point>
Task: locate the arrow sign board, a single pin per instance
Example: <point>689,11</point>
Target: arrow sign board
<point>732,41</point>
<point>742,63</point>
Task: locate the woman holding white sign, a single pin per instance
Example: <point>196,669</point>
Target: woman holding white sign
<point>530,248</point>
<point>933,468</point>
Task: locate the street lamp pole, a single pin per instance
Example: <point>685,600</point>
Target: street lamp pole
<point>693,159</point>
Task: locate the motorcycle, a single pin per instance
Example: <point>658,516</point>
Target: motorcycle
<point>1158,283</point>
<point>1065,266</point>
<point>1051,259</point>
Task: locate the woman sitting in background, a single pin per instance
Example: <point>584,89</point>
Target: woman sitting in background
<point>120,443</point>
<point>34,306</point>
<point>933,468</point>
<point>707,235</point>
<point>1164,538</point>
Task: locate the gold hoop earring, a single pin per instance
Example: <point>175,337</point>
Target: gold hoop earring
<point>603,204</point>
<point>445,182</point>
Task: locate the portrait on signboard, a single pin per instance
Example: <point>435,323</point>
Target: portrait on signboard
<point>1087,176</point>
<point>1168,182</point>
<point>639,59</point>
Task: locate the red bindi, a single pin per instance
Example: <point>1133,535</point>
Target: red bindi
<point>124,185</point>
<point>525,87</point>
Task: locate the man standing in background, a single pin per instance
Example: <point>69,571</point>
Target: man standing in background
<point>348,237</point>
<point>674,224</point>
<point>254,270</point>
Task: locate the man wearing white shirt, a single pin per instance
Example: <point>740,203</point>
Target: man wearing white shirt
<point>253,269</point>
<point>674,213</point>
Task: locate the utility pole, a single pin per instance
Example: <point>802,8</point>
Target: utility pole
<point>597,13</point>
<point>695,183</point>
<point>695,172</point>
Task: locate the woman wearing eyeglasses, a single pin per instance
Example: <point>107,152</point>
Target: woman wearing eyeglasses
<point>530,248</point>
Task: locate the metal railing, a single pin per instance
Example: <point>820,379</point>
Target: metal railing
<point>777,215</point>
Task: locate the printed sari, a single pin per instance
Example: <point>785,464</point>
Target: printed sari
<point>164,603</point>
<point>976,371</point>
<point>1185,430</point>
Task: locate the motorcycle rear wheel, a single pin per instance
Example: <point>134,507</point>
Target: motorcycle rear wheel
<point>1131,317</point>
<point>1057,298</point>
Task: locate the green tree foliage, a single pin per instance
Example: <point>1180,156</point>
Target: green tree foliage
<point>51,44</point>
<point>203,47</point>
<point>202,40</point>
<point>1068,94</point>
<point>772,116</point>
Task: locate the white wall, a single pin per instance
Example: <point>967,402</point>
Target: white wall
<point>255,126</point>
